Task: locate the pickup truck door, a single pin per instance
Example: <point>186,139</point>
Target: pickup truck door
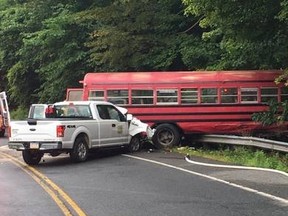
<point>113,126</point>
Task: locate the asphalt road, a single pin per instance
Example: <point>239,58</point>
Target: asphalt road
<point>156,183</point>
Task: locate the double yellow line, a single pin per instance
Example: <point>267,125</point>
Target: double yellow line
<point>65,203</point>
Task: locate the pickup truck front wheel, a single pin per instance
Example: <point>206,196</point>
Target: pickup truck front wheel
<point>80,150</point>
<point>32,157</point>
<point>135,144</point>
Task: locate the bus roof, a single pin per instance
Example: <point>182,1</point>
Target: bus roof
<point>96,78</point>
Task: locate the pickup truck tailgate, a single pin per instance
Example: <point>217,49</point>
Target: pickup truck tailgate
<point>21,131</point>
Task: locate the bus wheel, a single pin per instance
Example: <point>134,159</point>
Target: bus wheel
<point>166,136</point>
<point>32,157</point>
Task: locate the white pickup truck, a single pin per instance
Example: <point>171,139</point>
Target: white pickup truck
<point>74,128</point>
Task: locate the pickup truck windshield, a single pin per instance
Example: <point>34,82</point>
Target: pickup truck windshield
<point>70,111</point>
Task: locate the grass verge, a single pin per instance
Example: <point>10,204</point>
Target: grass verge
<point>240,156</point>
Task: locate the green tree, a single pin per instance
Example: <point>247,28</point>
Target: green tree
<point>140,35</point>
<point>58,50</point>
<point>42,48</point>
<point>248,32</point>
<point>12,17</point>
<point>283,35</point>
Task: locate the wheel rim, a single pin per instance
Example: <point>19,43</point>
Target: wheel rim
<point>165,137</point>
<point>82,151</point>
<point>135,145</point>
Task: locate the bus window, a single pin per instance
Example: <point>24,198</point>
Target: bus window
<point>284,94</point>
<point>189,95</point>
<point>167,96</point>
<point>142,97</point>
<point>96,95</point>
<point>117,97</point>
<point>249,95</point>
<point>268,94</point>
<point>209,95</point>
<point>74,94</point>
<point>229,95</point>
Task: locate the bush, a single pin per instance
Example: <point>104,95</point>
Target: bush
<point>276,114</point>
<point>20,113</point>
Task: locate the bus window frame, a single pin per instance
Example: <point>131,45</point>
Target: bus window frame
<point>189,97</point>
<point>249,101</point>
<point>126,99</point>
<point>167,96</point>
<point>97,98</point>
<point>131,97</point>
<point>208,96</point>
<point>235,97</point>
<point>276,96</point>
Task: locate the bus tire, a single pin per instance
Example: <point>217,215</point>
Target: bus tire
<point>166,136</point>
<point>80,150</point>
<point>32,157</point>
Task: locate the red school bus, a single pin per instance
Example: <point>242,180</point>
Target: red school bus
<point>178,103</point>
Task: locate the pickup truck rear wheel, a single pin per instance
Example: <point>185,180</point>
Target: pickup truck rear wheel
<point>32,157</point>
<point>135,144</point>
<point>80,150</point>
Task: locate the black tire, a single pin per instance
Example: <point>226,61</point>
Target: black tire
<point>32,157</point>
<point>80,150</point>
<point>135,144</point>
<point>166,136</point>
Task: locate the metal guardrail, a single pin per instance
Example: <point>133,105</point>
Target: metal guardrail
<point>245,141</point>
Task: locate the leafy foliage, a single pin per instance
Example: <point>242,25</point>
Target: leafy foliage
<point>137,35</point>
<point>249,32</point>
<point>277,113</point>
<point>47,46</point>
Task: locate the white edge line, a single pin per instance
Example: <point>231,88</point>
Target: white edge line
<point>279,199</point>
<point>187,158</point>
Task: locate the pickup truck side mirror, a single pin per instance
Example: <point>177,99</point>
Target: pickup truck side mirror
<point>129,117</point>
